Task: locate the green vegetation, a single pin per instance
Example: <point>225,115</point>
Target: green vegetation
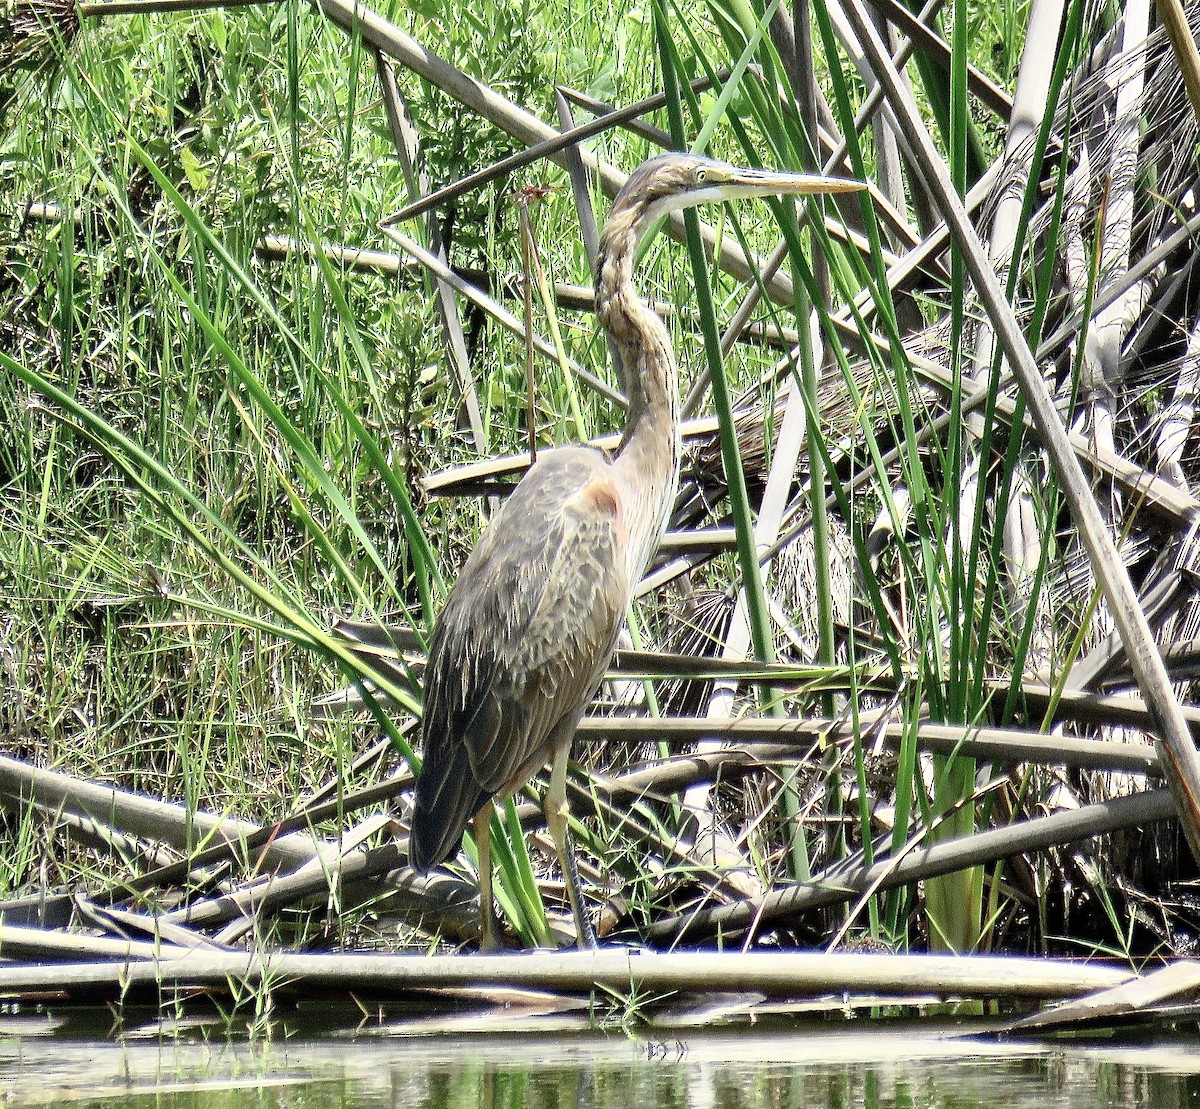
<point>218,444</point>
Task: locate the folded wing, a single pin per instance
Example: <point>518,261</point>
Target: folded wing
<point>521,643</point>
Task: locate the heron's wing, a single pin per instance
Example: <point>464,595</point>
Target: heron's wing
<point>523,637</point>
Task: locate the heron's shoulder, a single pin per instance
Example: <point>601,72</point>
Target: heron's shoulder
<point>562,462</point>
<point>558,475</point>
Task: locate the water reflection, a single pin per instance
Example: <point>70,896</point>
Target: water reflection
<point>823,1067</point>
<point>1018,1080</point>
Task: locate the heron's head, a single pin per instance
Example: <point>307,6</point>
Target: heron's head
<point>674,181</point>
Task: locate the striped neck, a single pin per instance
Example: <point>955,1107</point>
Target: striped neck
<point>648,457</point>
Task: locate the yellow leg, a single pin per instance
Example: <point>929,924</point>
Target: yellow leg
<point>483,846</point>
<point>556,820</point>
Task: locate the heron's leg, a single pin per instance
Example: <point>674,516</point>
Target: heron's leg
<point>483,846</point>
<point>556,820</point>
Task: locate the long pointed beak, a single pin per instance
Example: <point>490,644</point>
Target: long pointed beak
<point>761,182</point>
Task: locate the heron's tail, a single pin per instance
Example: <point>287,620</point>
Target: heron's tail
<point>447,797</point>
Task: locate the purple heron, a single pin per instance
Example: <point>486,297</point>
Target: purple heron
<point>529,627</point>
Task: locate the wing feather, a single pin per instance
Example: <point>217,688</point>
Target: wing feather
<point>521,643</point>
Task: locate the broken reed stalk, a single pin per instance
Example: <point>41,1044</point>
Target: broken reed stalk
<point>763,742</point>
<point>296,864</point>
<point>145,817</point>
<point>845,882</point>
<point>622,973</point>
<point>1176,982</point>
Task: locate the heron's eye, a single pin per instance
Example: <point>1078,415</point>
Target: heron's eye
<point>701,175</point>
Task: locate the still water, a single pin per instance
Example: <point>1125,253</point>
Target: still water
<point>44,1061</point>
